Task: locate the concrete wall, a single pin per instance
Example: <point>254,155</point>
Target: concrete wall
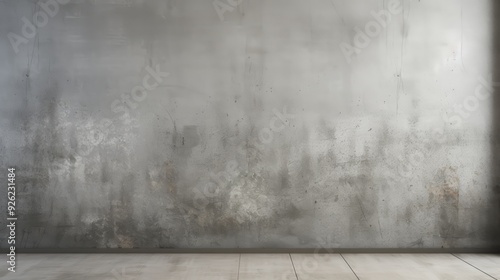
<point>200,124</point>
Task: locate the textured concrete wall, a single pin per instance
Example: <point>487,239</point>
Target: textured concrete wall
<point>278,123</point>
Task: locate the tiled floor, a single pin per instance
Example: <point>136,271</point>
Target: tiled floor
<point>254,266</point>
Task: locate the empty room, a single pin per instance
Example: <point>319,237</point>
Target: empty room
<point>250,139</point>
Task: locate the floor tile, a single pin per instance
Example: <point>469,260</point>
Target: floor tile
<point>126,267</point>
<point>266,266</point>
<point>251,266</point>
<point>486,262</point>
<point>321,266</point>
<point>412,266</point>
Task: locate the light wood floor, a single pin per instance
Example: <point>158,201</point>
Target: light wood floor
<point>253,266</point>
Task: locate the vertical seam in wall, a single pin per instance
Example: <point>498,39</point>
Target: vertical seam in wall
<point>349,266</point>
<point>296,276</point>
<point>472,266</point>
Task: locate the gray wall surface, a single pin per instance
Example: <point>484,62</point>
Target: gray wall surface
<point>250,124</point>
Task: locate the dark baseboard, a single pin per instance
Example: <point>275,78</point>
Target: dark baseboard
<point>254,250</point>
